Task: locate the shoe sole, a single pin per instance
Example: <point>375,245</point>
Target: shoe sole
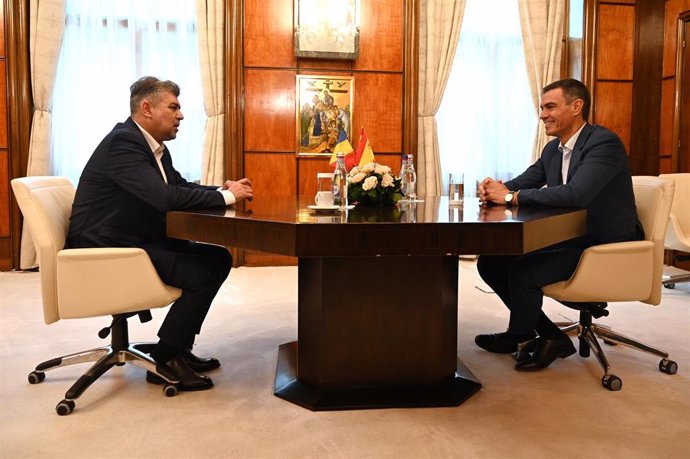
<point>153,378</point>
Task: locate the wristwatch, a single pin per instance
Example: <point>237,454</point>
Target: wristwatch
<point>509,198</point>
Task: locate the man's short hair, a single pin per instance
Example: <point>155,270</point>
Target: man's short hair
<point>572,89</point>
<point>152,88</point>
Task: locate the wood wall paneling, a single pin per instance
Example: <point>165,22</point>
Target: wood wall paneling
<point>3,105</point>
<point>269,104</point>
<point>614,108</point>
<point>2,31</point>
<point>378,108</point>
<point>673,9</point>
<point>622,2</point>
<point>381,39</point>
<point>4,194</point>
<point>665,165</point>
<point>308,168</point>
<point>615,42</point>
<point>272,174</point>
<point>268,31</point>
<point>668,87</point>
<point>324,64</point>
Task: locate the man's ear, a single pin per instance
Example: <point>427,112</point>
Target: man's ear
<point>146,108</point>
<point>577,106</point>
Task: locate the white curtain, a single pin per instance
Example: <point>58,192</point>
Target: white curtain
<point>542,34</point>
<point>439,28</point>
<point>210,16</point>
<point>107,46</point>
<point>486,121</point>
<point>46,25</point>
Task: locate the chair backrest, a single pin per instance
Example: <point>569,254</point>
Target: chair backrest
<point>46,203</point>
<point>653,197</point>
<point>678,232</point>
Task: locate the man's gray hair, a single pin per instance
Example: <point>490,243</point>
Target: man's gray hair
<point>151,88</point>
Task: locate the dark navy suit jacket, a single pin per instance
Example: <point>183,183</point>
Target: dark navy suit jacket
<point>122,199</point>
<point>598,180</point>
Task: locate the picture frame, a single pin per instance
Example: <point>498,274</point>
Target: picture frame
<point>327,29</point>
<point>324,113</point>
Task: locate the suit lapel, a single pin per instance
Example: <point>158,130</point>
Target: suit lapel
<point>576,156</point>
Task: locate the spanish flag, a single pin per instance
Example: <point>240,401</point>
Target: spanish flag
<point>364,153</point>
<point>346,148</point>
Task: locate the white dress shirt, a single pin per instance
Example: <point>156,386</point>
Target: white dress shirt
<point>567,151</point>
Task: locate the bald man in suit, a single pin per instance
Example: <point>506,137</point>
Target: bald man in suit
<point>585,167</point>
<point>124,192</point>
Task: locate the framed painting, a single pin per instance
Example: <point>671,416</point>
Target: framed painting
<point>324,113</point>
<point>327,29</point>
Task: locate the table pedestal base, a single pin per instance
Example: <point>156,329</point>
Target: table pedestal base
<point>287,386</point>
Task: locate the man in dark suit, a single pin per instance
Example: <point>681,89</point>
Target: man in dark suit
<point>585,167</point>
<point>124,192</point>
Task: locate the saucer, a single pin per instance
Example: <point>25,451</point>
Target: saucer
<point>327,208</point>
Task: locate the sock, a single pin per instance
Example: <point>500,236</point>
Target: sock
<point>548,329</point>
<point>164,352</point>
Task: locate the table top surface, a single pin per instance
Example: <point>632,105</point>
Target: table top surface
<point>286,225</point>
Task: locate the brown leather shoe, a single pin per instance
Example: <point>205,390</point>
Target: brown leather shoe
<point>187,379</point>
<point>199,364</point>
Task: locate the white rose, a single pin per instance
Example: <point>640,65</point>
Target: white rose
<point>354,171</point>
<point>381,169</point>
<point>368,168</point>
<point>387,180</point>
<point>357,177</point>
<point>369,183</point>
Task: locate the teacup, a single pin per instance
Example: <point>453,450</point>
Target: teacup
<point>324,198</point>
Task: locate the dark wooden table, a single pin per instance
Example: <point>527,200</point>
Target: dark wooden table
<point>377,290</point>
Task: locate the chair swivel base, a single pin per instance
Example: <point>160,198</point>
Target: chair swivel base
<point>588,334</point>
<point>119,352</point>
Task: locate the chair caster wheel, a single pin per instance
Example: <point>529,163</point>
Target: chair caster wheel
<point>36,377</point>
<point>668,366</point>
<point>65,407</point>
<point>670,286</point>
<point>170,390</point>
<point>612,382</point>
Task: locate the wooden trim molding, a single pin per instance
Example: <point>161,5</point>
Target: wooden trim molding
<point>681,69</point>
<point>410,80</point>
<point>647,72</point>
<point>19,104</point>
<point>234,102</point>
<point>589,50</point>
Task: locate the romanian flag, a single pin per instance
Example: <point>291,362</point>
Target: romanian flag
<point>343,147</point>
<point>364,153</point>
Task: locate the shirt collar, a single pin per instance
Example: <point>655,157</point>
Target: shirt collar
<point>156,148</point>
<point>570,144</point>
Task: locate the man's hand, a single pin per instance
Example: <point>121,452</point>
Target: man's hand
<point>242,189</point>
<point>493,191</point>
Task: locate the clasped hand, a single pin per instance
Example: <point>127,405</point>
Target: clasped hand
<point>492,191</point>
<point>242,189</point>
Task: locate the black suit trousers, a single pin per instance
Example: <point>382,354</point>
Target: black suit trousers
<point>518,279</point>
<point>199,270</point>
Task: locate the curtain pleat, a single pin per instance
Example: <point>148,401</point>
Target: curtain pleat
<point>439,29</point>
<point>46,27</point>
<point>542,32</point>
<point>210,30</point>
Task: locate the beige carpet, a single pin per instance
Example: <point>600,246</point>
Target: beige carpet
<point>562,412</point>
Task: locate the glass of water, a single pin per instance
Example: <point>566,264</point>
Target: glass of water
<point>455,188</point>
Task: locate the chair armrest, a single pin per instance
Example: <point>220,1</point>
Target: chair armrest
<point>105,281</point>
<point>620,271</point>
<point>675,238</point>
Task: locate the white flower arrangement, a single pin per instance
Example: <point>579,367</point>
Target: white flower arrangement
<point>373,184</point>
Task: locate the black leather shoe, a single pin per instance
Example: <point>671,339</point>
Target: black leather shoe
<point>500,343</point>
<point>545,352</point>
<point>199,364</point>
<point>187,379</point>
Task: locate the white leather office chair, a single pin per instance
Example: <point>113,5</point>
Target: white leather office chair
<point>678,232</point>
<point>77,283</point>
<point>623,271</point>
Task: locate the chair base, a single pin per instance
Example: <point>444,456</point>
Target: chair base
<point>589,334</point>
<point>119,352</point>
<point>673,276</point>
